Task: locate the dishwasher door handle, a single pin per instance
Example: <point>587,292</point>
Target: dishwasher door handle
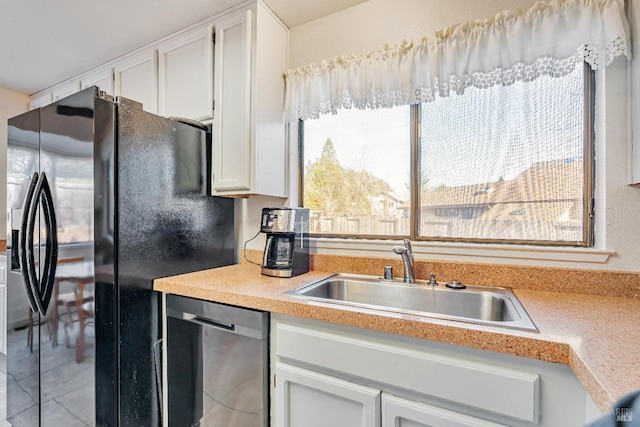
<point>246,322</point>
<point>209,322</point>
<point>232,328</point>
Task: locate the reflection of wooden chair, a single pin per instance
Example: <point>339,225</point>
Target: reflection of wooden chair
<point>86,317</point>
<point>32,322</point>
<point>52,316</point>
<point>75,304</point>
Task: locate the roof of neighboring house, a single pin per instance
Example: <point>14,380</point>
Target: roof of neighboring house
<point>389,196</point>
<point>546,190</point>
<point>464,195</point>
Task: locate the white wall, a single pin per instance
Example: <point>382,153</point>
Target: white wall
<point>11,104</point>
<point>375,23</point>
<point>372,24</point>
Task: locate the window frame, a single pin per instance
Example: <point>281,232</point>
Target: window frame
<point>588,234</point>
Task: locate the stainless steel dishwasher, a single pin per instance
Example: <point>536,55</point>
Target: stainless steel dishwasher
<point>217,365</point>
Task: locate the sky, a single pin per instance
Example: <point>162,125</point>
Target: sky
<point>362,140</point>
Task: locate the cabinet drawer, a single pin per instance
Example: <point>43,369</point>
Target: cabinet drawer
<point>397,412</point>
<point>477,384</point>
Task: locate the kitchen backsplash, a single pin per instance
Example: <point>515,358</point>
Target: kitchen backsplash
<point>608,283</point>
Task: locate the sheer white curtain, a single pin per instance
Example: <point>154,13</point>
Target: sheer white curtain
<point>547,39</point>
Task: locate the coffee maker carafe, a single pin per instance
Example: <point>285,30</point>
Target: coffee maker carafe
<point>286,252</point>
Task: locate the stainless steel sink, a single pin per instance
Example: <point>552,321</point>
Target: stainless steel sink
<point>474,304</point>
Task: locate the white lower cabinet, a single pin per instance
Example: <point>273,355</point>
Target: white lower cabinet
<point>310,399</point>
<point>398,412</point>
<point>333,375</point>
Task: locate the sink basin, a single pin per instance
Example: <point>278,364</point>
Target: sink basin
<point>475,304</point>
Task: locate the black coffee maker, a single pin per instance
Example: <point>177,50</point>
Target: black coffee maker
<point>286,252</point>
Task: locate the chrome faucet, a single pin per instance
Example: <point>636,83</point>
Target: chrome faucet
<point>407,258</point>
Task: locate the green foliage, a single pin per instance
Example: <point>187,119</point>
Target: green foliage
<point>338,191</point>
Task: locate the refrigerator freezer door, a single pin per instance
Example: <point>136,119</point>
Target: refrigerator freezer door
<point>23,331</point>
<point>24,245</point>
<point>67,354</point>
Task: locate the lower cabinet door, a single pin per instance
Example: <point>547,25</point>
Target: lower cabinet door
<point>397,412</point>
<point>310,399</point>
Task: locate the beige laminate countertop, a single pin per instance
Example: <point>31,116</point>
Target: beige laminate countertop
<point>596,336</point>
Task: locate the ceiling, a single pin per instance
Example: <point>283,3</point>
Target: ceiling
<point>43,42</point>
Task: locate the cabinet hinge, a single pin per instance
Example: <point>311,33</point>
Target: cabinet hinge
<point>274,380</point>
<point>213,105</point>
<point>592,208</point>
<point>213,38</point>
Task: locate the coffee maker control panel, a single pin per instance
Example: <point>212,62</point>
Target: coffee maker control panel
<point>277,220</point>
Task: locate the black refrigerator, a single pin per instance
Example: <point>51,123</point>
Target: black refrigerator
<point>102,198</point>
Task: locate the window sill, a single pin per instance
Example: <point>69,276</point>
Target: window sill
<point>466,252</point>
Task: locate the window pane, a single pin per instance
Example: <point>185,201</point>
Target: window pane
<point>73,194</point>
<point>356,172</point>
<point>505,162</point>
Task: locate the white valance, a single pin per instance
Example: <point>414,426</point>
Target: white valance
<point>548,39</point>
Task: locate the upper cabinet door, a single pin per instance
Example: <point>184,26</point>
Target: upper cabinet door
<point>232,116</point>
<point>186,75</point>
<point>50,95</point>
<point>65,89</point>
<point>40,99</point>
<point>102,77</point>
<point>136,78</point>
<point>249,144</point>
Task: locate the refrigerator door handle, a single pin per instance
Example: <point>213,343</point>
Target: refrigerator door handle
<point>51,258</point>
<point>26,246</point>
<point>42,288</point>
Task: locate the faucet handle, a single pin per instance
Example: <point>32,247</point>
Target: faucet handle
<point>388,272</point>
<point>432,279</point>
<point>399,250</point>
<point>407,244</point>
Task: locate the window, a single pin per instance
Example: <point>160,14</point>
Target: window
<point>357,172</point>
<point>502,164</point>
<point>72,191</point>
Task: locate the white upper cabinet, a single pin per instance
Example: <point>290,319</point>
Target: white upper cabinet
<point>249,147</point>
<point>136,78</point>
<point>102,77</point>
<point>232,133</point>
<point>53,94</point>
<point>233,79</point>
<point>40,99</point>
<point>65,89</point>
<point>185,66</point>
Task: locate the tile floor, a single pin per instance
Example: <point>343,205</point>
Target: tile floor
<point>67,386</point>
<point>3,391</point>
